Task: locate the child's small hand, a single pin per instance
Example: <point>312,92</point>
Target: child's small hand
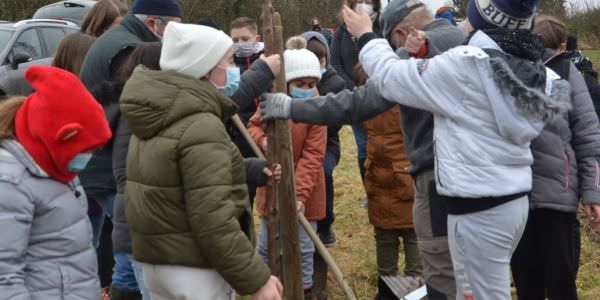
<point>277,172</point>
<point>300,208</point>
<point>264,145</point>
<point>274,172</point>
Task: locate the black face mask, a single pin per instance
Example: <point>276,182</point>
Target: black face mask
<point>316,27</point>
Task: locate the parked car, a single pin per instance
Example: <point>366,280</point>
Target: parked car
<point>26,43</point>
<point>71,10</point>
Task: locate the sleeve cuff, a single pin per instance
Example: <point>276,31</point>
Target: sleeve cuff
<point>365,38</point>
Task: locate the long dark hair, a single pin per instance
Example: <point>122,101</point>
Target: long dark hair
<point>147,54</point>
<point>71,51</point>
<point>102,15</point>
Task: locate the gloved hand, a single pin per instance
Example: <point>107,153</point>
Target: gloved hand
<point>254,171</point>
<point>275,106</point>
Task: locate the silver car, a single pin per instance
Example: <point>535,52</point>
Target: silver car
<point>26,43</point>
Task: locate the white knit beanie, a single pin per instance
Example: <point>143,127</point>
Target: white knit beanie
<point>301,63</point>
<point>193,49</point>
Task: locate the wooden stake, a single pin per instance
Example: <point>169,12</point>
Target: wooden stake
<point>281,198</point>
<point>273,232</point>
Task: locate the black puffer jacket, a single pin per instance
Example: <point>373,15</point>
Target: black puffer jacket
<point>566,154</point>
<point>254,82</point>
<point>331,82</point>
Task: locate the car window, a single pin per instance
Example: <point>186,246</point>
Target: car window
<point>52,37</point>
<point>29,43</point>
<point>5,36</point>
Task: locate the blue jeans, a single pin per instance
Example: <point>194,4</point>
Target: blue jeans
<point>99,210</point>
<point>360,137</point>
<point>124,275</point>
<point>329,165</point>
<point>307,250</point>
<point>128,275</point>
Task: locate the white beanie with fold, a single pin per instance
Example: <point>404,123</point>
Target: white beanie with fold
<point>300,62</point>
<point>193,50</point>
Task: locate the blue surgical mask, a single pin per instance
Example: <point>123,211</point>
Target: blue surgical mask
<point>244,50</point>
<point>78,163</point>
<point>298,93</point>
<point>323,71</point>
<point>233,81</point>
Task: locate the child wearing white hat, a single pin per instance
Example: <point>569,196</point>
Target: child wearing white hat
<point>302,73</point>
<point>187,201</point>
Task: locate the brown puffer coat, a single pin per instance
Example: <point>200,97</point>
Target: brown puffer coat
<point>387,182</point>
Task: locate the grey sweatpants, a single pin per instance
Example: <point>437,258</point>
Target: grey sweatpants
<point>482,244</point>
<point>307,249</point>
<point>430,220</point>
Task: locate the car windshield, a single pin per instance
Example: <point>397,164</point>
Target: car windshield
<point>5,36</point>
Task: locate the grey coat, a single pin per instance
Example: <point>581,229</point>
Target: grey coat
<point>46,236</point>
<point>566,155</point>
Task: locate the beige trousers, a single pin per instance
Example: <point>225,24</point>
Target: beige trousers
<point>166,282</point>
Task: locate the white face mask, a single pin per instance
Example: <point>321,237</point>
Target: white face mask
<point>368,8</point>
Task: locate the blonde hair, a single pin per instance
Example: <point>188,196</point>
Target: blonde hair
<point>8,111</point>
<point>418,18</point>
<point>553,30</point>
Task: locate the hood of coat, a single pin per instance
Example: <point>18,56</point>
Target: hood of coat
<point>517,78</point>
<point>154,100</point>
<point>12,148</point>
<point>309,35</point>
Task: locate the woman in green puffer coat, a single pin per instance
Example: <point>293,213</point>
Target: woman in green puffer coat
<point>186,199</point>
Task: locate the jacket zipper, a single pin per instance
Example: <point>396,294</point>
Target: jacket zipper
<point>568,170</point>
<point>597,179</point>
<point>436,165</point>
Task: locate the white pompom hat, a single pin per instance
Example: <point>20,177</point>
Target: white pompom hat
<point>193,49</point>
<point>300,63</point>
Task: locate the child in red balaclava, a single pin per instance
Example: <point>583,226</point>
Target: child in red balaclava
<point>45,140</point>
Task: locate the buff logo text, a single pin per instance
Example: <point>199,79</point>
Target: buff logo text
<point>500,19</point>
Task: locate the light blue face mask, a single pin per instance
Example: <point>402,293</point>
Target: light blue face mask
<point>233,81</point>
<point>323,71</point>
<point>244,50</point>
<point>298,93</point>
<point>79,162</point>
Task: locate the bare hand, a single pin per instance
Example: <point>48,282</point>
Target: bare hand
<point>593,212</point>
<point>274,63</point>
<point>415,40</point>
<point>272,290</point>
<point>274,172</point>
<point>264,145</point>
<point>300,208</point>
<point>357,24</point>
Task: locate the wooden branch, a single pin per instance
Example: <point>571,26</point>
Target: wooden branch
<point>273,232</point>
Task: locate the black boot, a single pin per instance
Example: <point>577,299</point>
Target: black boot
<point>119,294</point>
<point>384,292</point>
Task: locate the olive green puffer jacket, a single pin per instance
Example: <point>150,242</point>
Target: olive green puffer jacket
<point>186,199</point>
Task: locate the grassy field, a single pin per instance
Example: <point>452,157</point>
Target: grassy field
<point>594,55</point>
